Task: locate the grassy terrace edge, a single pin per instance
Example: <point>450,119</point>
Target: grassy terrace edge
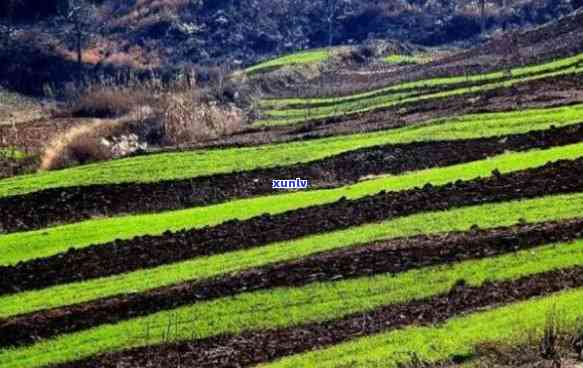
<point>302,57</point>
<point>293,116</point>
<point>184,165</point>
<point>458,336</point>
<point>424,83</point>
<point>283,307</point>
<point>485,216</point>
<point>25,246</point>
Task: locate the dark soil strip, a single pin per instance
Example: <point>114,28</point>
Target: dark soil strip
<point>148,251</point>
<point>391,256</point>
<point>251,348</point>
<point>65,205</point>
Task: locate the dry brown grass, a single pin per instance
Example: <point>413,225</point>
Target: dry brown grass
<point>557,345</point>
<point>108,101</point>
<point>166,114</point>
<point>186,119</point>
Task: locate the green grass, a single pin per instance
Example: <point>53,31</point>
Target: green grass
<point>457,337</point>
<point>288,306</point>
<point>407,59</point>
<point>304,57</point>
<point>434,82</point>
<point>291,116</point>
<point>12,153</point>
<point>46,242</point>
<point>485,216</point>
<point>182,165</point>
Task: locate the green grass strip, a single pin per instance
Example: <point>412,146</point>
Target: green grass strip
<point>435,82</point>
<point>283,307</point>
<point>182,165</point>
<point>292,116</point>
<point>305,57</point>
<point>407,59</point>
<point>485,216</point>
<point>512,324</point>
<point>46,242</point>
<point>11,154</point>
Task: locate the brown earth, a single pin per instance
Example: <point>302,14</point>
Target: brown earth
<point>390,256</point>
<point>65,205</point>
<point>120,256</point>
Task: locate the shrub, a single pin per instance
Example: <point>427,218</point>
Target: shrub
<point>108,101</point>
<point>186,119</point>
<point>549,346</point>
<point>577,340</point>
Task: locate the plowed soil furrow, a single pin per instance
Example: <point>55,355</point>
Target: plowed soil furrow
<point>391,256</point>
<point>149,251</point>
<point>65,205</point>
<point>254,347</point>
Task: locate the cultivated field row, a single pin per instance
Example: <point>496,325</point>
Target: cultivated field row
<point>119,256</point>
<point>106,337</point>
<point>330,306</point>
<point>372,101</point>
<point>325,162</point>
<point>388,256</point>
<point>421,85</point>
<point>25,246</point>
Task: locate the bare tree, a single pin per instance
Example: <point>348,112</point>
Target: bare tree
<point>331,9</point>
<point>296,9</point>
<point>79,18</point>
<point>504,14</point>
<point>482,4</point>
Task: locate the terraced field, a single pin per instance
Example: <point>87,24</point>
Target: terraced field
<point>287,111</point>
<point>299,58</point>
<point>407,59</point>
<point>415,243</point>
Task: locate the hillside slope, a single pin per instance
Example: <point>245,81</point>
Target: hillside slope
<point>247,30</point>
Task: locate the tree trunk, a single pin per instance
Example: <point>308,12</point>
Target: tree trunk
<point>330,28</point>
<point>331,16</point>
<point>79,56</point>
<point>504,14</point>
<point>483,15</point>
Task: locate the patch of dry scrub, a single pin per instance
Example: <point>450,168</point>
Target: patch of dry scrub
<point>103,101</point>
<point>140,115</point>
<point>186,119</point>
<point>558,345</point>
